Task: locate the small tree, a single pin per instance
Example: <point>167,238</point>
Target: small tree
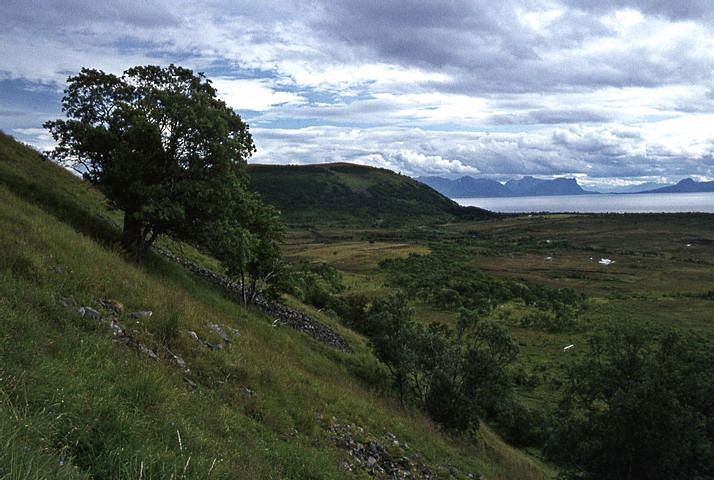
<point>247,243</point>
<point>160,145</point>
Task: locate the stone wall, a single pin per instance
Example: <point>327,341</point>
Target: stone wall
<point>281,314</point>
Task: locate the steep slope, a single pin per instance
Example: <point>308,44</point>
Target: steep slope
<point>93,389</point>
<point>347,194</point>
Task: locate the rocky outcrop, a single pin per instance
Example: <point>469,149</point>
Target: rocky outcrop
<point>385,457</point>
<point>281,314</point>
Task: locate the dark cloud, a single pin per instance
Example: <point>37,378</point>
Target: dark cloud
<point>87,13</point>
<point>449,34</point>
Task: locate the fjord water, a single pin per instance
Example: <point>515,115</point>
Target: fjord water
<point>604,203</point>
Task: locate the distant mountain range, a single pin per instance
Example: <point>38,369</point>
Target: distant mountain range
<point>685,186</point>
<point>481,187</point>
<point>528,186</point>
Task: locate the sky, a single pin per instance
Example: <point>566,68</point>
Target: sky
<point>612,92</point>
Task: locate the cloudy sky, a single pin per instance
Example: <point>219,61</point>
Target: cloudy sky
<point>614,92</point>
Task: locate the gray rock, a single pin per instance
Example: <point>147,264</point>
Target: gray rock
<point>246,392</point>
<point>147,351</point>
<point>89,312</point>
<point>193,335</point>
<point>142,314</point>
<point>117,331</point>
<point>178,361</point>
<point>218,330</point>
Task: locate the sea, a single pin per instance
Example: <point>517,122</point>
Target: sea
<point>603,203</point>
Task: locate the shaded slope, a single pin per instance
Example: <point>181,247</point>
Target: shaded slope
<point>347,194</point>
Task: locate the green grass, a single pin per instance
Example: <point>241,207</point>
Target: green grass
<point>75,403</point>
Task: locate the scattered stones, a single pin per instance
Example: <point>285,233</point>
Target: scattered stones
<point>193,336</point>
<point>89,312</point>
<point>371,456</point>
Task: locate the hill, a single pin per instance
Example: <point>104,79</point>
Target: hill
<point>109,369</point>
<point>480,187</point>
<point>686,185</point>
<point>348,194</point>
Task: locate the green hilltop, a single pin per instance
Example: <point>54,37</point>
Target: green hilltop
<point>92,386</point>
<point>348,194</point>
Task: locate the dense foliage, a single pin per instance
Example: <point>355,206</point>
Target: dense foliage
<point>159,144</point>
<point>444,279</point>
<point>455,378</point>
<point>247,243</point>
<point>638,406</point>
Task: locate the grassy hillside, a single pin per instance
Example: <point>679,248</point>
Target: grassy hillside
<point>107,397</point>
<point>345,194</point>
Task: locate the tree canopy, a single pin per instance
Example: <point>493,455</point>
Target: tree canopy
<point>638,405</point>
<point>160,145</point>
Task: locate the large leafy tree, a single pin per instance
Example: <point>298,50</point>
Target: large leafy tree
<point>161,146</point>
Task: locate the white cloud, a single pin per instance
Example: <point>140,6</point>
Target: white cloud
<point>253,94</point>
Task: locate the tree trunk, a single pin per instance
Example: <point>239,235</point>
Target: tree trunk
<point>136,238</point>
